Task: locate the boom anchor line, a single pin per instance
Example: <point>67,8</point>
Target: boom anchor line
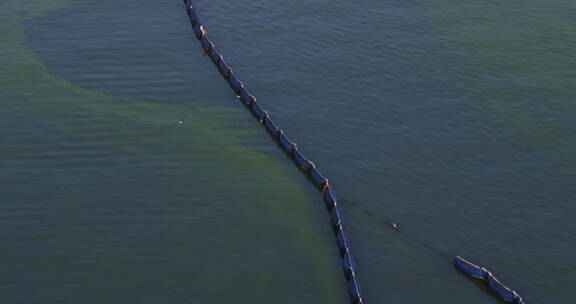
<point>307,166</point>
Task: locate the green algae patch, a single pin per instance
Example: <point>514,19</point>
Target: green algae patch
<point>139,129</point>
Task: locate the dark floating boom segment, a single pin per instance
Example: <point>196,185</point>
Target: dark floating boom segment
<point>287,146</point>
<point>482,273</point>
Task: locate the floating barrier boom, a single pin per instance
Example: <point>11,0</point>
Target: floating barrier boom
<point>478,272</point>
<point>328,194</point>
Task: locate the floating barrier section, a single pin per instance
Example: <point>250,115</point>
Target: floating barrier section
<point>321,182</point>
<point>478,272</point>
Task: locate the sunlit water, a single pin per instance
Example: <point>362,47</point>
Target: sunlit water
<point>453,118</point>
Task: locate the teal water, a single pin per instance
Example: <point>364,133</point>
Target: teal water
<point>453,118</point>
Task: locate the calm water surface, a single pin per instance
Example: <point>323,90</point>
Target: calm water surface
<point>453,118</point>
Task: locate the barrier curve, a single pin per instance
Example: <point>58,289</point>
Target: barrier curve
<point>482,273</point>
<point>307,166</point>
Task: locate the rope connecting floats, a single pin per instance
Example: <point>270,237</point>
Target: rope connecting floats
<point>328,194</point>
<point>478,272</point>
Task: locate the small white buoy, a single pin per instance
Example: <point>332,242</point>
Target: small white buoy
<point>181,122</point>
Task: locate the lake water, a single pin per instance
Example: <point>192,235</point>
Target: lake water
<point>455,119</point>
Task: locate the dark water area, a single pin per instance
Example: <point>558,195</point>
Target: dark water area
<point>453,118</point>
